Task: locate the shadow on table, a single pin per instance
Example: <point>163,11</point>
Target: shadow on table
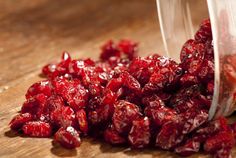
<point>62,152</point>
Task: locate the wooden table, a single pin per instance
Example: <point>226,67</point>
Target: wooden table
<point>33,33</point>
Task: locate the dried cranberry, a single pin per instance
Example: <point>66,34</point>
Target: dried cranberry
<point>169,135</point>
<point>63,117</point>
<point>123,116</point>
<point>128,47</point>
<point>34,105</point>
<point>139,135</point>
<point>43,87</point>
<point>204,33</point>
<point>113,137</point>
<point>82,121</point>
<point>222,140</point>
<point>109,49</point>
<point>37,129</point>
<point>67,137</point>
<point>19,120</point>
<point>188,148</point>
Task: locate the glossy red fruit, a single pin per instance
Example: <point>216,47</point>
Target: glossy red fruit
<point>130,82</point>
<point>52,103</point>
<point>113,137</point>
<point>125,112</point>
<point>63,117</point>
<point>67,137</point>
<point>160,115</point>
<point>75,95</point>
<point>169,135</point>
<point>192,60</point>
<point>204,33</point>
<point>166,74</point>
<point>82,121</point>
<point>194,118</point>
<point>34,105</point>
<point>49,70</point>
<point>128,47</point>
<point>222,140</point>
<point>109,49</point>
<point>43,87</point>
<point>188,148</point>
<point>19,120</point>
<point>139,135</point>
<point>188,80</point>
<point>37,129</point>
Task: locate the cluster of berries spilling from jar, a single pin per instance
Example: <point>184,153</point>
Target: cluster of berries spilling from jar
<point>126,99</point>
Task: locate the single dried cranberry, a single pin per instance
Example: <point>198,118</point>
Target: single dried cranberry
<point>188,148</point>
<point>53,102</point>
<point>206,72</point>
<point>125,112</point>
<point>109,98</point>
<point>95,89</point>
<point>67,137</point>
<point>43,87</point>
<point>188,80</point>
<point>82,121</point>
<point>139,69</point>
<point>204,33</point>
<point>128,47</point>
<point>75,95</point>
<point>167,74</point>
<point>130,82</point>
<point>193,60</point>
<point>113,137</point>
<point>222,140</point>
<point>34,105</point>
<point>160,115</point>
<point>114,84</point>
<point>109,49</point>
<point>169,135</point>
<point>37,129</point>
<point>139,135</point>
<point>19,120</point>
<point>63,117</point>
<point>211,128</point>
<point>49,70</point>
<point>193,118</point>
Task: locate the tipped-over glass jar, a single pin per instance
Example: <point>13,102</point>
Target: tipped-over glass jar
<point>178,20</point>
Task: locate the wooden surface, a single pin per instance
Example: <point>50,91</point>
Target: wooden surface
<point>35,32</point>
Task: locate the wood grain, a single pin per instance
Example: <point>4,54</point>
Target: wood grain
<point>33,33</point>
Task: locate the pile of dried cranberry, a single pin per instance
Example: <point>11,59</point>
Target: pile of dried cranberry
<point>141,101</point>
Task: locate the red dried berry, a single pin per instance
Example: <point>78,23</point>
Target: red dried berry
<point>128,47</point>
<point>19,120</point>
<point>194,118</point>
<point>204,33</point>
<point>63,117</point>
<point>113,137</point>
<point>53,102</point>
<point>130,82</point>
<point>43,87</point>
<point>139,135</point>
<point>125,112</point>
<point>109,49</point>
<point>189,148</point>
<point>34,105</point>
<point>82,121</point>
<point>67,137</point>
<point>37,129</point>
<point>222,140</point>
<point>169,135</point>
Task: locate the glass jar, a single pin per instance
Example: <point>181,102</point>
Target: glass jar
<point>179,19</point>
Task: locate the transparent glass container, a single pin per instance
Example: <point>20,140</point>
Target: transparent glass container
<point>179,20</point>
